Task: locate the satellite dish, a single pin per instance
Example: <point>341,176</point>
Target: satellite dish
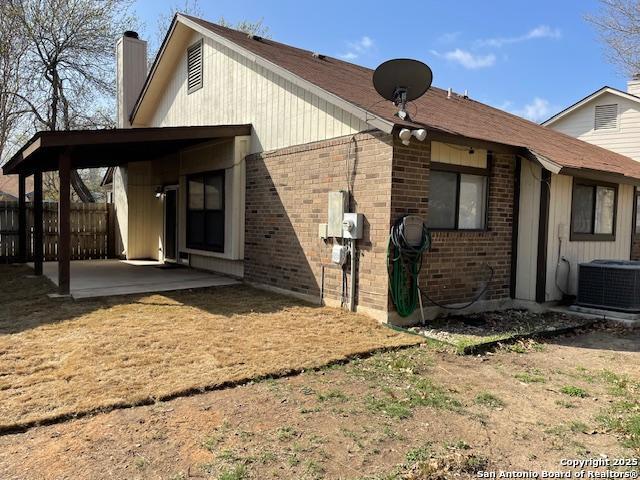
<point>402,80</point>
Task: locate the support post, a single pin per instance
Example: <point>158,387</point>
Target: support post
<point>543,236</point>
<point>38,240</point>
<point>22,219</point>
<point>64,224</point>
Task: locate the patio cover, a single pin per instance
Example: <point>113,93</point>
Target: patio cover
<point>107,148</point>
<point>76,149</point>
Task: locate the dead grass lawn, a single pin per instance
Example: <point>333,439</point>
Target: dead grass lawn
<point>60,358</point>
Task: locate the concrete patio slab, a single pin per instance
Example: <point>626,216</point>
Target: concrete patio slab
<point>103,278</point>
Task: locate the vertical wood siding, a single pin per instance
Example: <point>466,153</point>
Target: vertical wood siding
<point>145,212</point>
<point>237,91</point>
<point>458,155</point>
<point>577,252</point>
<point>528,231</point>
<point>624,140</point>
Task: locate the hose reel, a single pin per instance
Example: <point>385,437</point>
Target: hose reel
<point>408,240</point>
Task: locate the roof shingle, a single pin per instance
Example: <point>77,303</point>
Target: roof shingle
<point>456,115</point>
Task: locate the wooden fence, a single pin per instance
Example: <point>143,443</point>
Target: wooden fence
<point>92,231</point>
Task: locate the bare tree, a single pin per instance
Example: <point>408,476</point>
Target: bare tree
<point>254,28</point>
<point>12,53</point>
<point>618,23</point>
<point>192,7</point>
<point>69,64</point>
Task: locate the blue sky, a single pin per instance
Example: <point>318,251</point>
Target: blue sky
<point>532,58</point>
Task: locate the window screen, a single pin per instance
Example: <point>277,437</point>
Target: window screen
<point>583,201</point>
<point>637,229</point>
<point>205,213</point>
<point>472,201</point>
<point>442,201</point>
<point>457,201</point>
<point>593,211</point>
<point>605,198</point>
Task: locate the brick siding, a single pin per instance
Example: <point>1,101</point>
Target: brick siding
<point>455,268</point>
<point>286,199</point>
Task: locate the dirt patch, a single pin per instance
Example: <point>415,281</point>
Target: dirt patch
<point>417,413</point>
<point>61,358</point>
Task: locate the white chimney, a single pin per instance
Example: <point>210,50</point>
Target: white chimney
<point>633,85</point>
<point>131,57</point>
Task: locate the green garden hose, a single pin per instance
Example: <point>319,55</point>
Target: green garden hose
<point>404,262</point>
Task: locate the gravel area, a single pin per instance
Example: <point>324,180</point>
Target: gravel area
<point>467,332</point>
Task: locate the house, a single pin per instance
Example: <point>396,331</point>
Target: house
<point>228,147</point>
<point>609,118</point>
<point>9,188</point>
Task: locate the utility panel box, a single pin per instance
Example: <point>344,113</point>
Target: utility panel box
<point>337,207</point>
<point>322,230</point>
<point>352,225</point>
<point>339,254</point>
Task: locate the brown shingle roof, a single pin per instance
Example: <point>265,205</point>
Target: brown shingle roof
<point>455,115</point>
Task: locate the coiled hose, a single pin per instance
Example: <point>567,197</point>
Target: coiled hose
<point>404,262</point>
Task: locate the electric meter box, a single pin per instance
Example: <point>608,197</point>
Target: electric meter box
<point>337,207</point>
<point>352,225</point>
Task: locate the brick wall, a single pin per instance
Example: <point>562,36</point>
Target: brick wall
<point>455,268</point>
<point>286,199</point>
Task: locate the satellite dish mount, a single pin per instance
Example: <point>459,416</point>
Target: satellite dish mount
<point>400,100</point>
<point>402,80</point>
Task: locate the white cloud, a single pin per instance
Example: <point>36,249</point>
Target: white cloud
<point>541,31</point>
<point>537,110</point>
<point>348,56</point>
<point>467,59</point>
<point>357,48</point>
<point>448,37</point>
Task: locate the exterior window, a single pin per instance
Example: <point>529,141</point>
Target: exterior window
<point>194,67</point>
<point>458,200</point>
<point>636,227</point>
<point>205,211</point>
<point>593,210</point>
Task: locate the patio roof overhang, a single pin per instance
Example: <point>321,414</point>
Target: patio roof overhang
<point>108,148</point>
<point>64,151</point>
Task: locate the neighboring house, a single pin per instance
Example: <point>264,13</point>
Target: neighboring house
<point>9,188</point>
<point>609,118</point>
<point>228,148</point>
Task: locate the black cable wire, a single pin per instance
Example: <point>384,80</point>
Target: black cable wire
<point>478,297</point>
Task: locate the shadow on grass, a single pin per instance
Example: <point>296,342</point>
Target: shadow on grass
<point>25,304</point>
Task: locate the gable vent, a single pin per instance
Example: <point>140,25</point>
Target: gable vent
<point>194,67</point>
<point>606,117</point>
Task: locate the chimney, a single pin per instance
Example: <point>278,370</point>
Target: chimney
<point>131,58</point>
<point>633,85</point>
